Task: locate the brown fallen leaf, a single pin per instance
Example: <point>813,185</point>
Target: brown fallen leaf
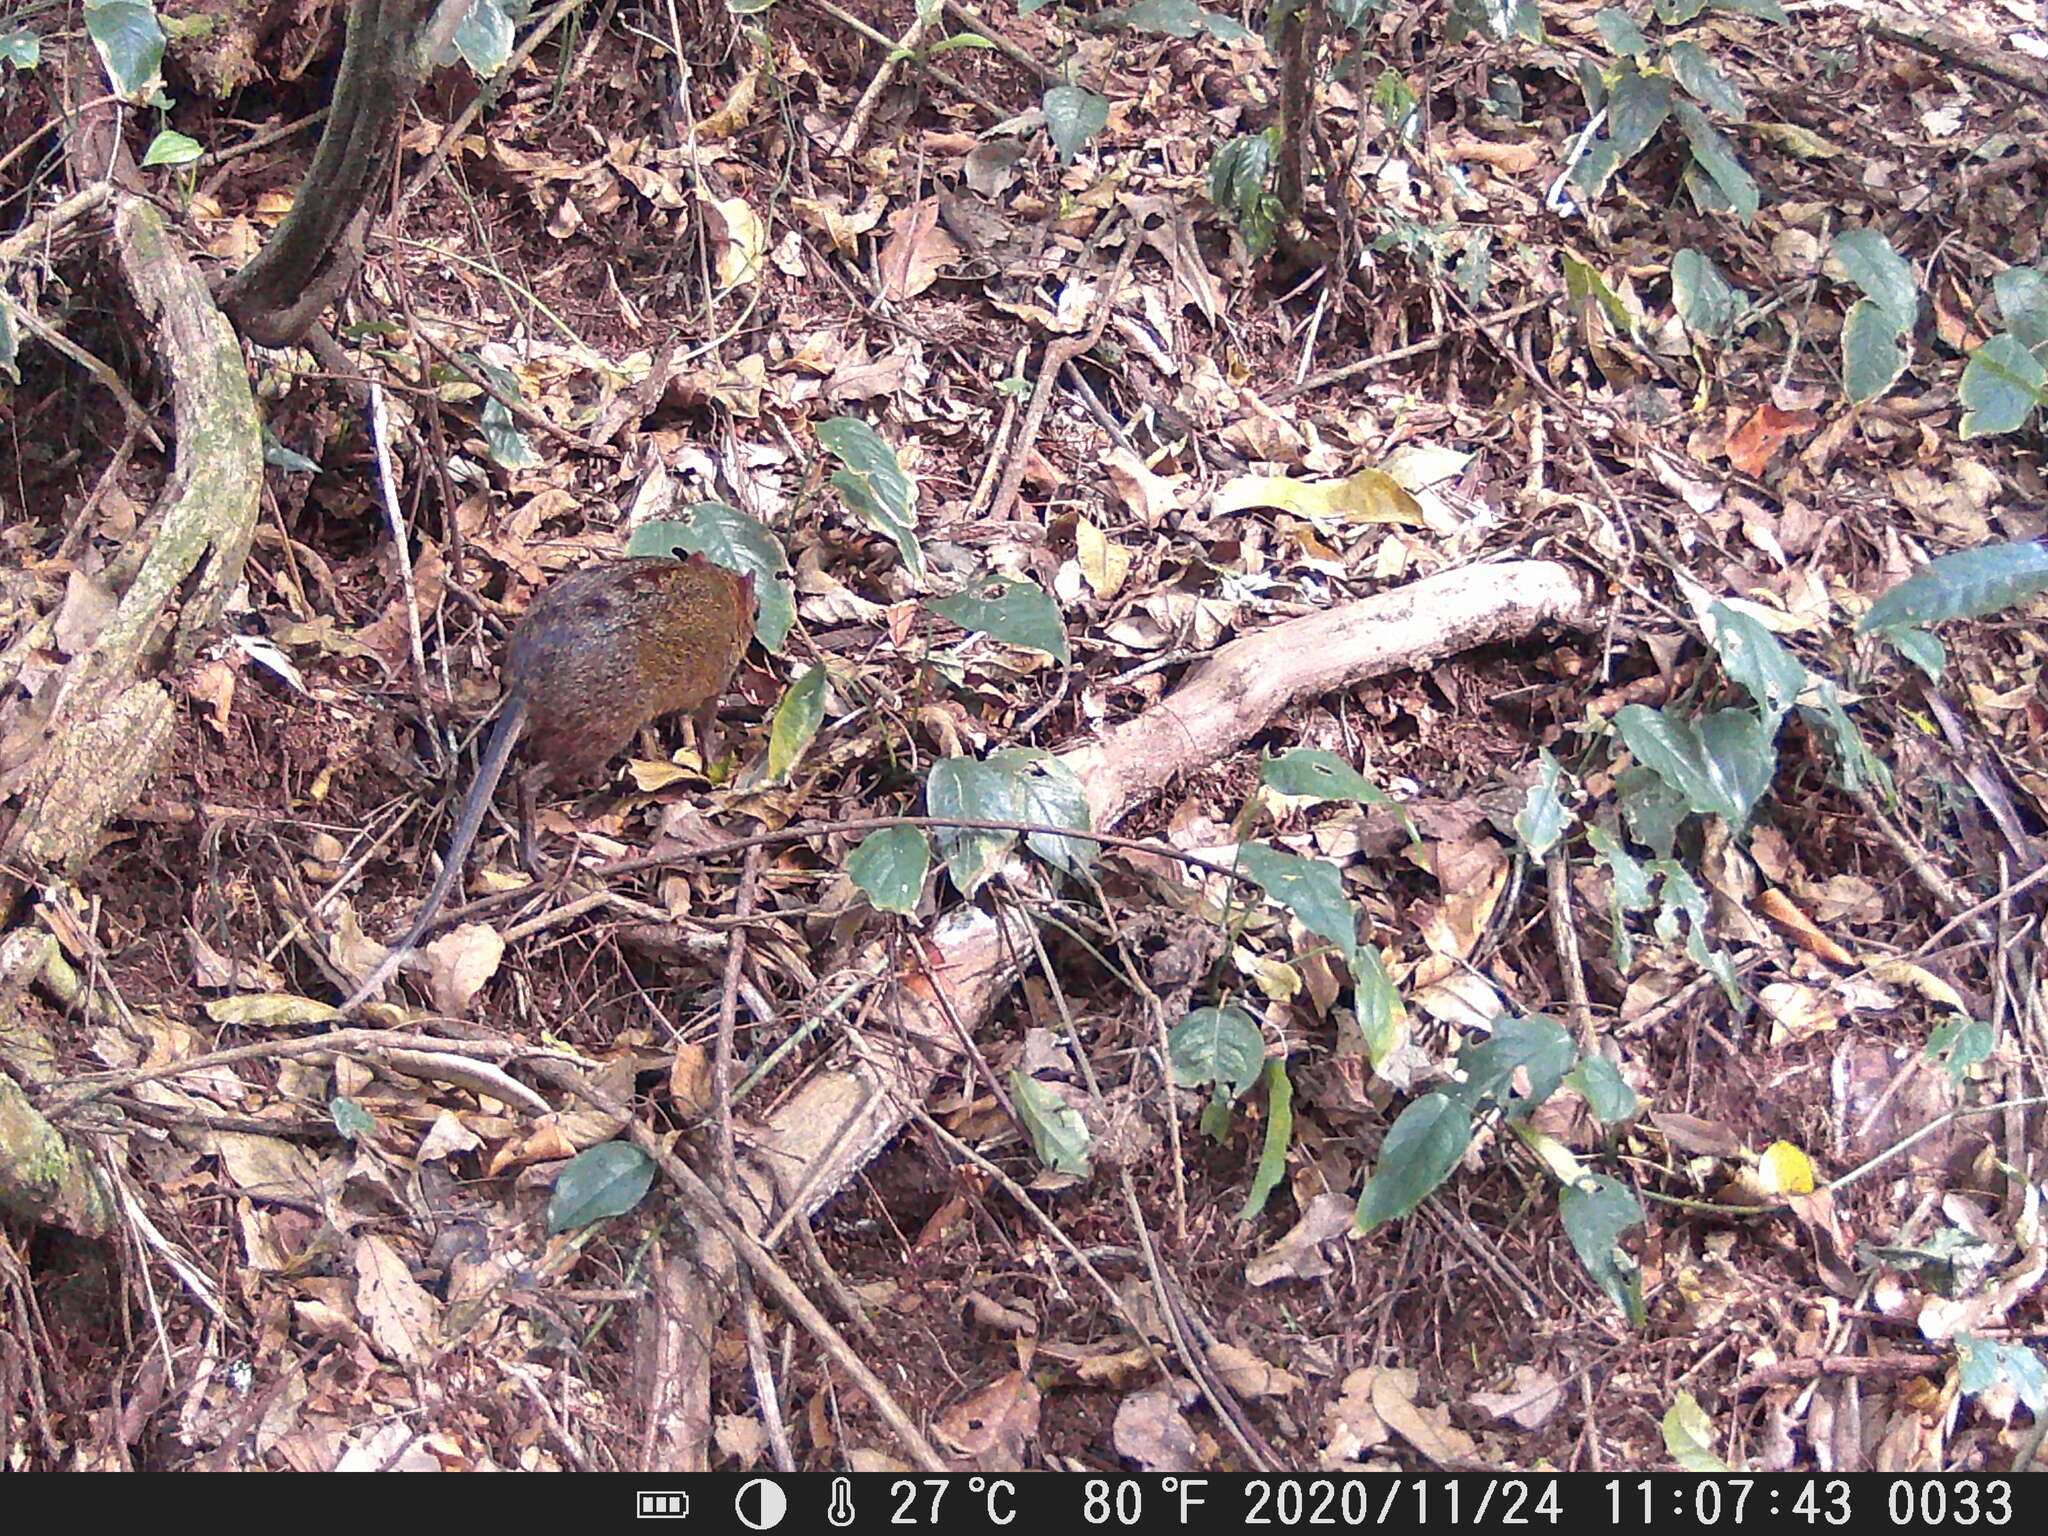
<point>1152,1431</point>
<point>1530,1401</point>
<point>992,1426</point>
<point>1752,445</point>
<point>917,250</point>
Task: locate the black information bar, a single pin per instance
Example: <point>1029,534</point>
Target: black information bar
<point>1082,1504</point>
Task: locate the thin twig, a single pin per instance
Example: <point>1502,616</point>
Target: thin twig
<point>864,109</point>
<point>401,546</point>
<point>1058,354</point>
<point>967,17</point>
<point>958,87</point>
<point>57,341</point>
<point>431,165</point>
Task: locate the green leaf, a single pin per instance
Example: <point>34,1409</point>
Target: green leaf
<point>1701,188</point>
<point>1596,167</point>
<point>1873,352</point>
<point>1420,1150</point>
<point>350,1118</point>
<point>1696,72</point>
<point>507,444</point>
<point>1873,266</point>
<point>1016,785</point>
<point>1183,18</point>
<point>1537,1047</point>
<point>797,719</point>
<point>1683,905</point>
<point>1988,1362</point>
<point>1631,884</point>
<point>727,536</point>
<point>1217,1048</point>
<point>1769,10</point>
<point>1273,1148</point>
<point>2003,384</point>
<point>1355,15</point>
<point>1058,1133</point>
<point>1689,1433</point>
<point>1474,270</point>
<point>1382,1020</point>
<point>1653,808</point>
<point>1824,714</point>
<point>1309,888</point>
<point>171,148</point>
<point>1597,1211</point>
<point>1599,1082</point>
<point>1073,116</point>
<point>130,43</point>
<point>975,791</point>
<point>1019,613</point>
<point>2022,294</point>
<point>1619,31</point>
<point>1631,880</point>
<point>1919,647</point>
<point>1050,795</point>
<point>1958,1045</point>
<point>1721,766</point>
<point>1965,585</point>
<point>1393,96</point>
<point>1583,284</point>
<point>484,37</point>
<point>608,1179</point>
<point>1544,818</point>
<point>1754,657</point>
<point>1677,12</point>
<point>1704,299</point>
<point>1637,106</point>
<point>874,484</point>
<point>278,456</point>
<point>1317,775</point>
<point>1496,19</point>
<point>889,867</point>
<point>1239,173</point>
<point>1716,156</point>
<point>24,50</point>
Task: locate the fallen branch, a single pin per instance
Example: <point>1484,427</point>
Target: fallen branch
<point>822,1134</point>
<point>1952,48</point>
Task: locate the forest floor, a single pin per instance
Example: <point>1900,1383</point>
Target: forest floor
<point>1452,357</point>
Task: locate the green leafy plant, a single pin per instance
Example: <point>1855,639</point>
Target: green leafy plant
<point>1877,332</point>
<point>1507,1075</point>
<point>1018,785</point>
<point>874,484</point>
<point>1012,610</point>
<point>1177,18</point>
<point>2006,379</point>
<point>1705,300</point>
<point>1074,115</point>
<point>130,42</point>
<point>21,50</point>
<point>1655,79</point>
<point>1241,188</point>
<point>1968,584</point>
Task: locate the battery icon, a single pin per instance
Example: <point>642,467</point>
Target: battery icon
<point>662,1506</point>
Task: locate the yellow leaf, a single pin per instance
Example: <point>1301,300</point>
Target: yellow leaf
<point>1370,496</point>
<point>1785,1170</point>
